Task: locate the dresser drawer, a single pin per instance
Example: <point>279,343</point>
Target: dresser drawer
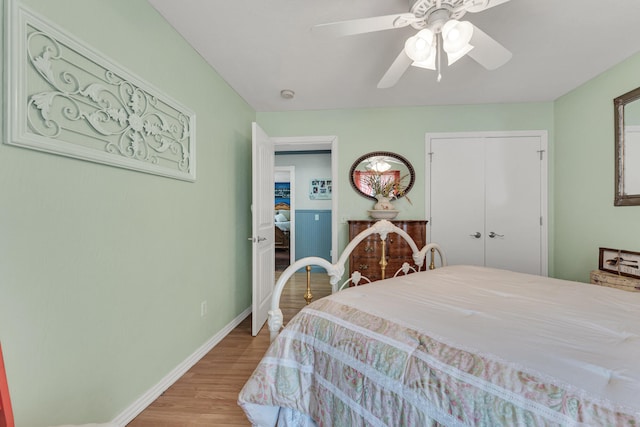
<point>370,247</point>
<point>370,268</point>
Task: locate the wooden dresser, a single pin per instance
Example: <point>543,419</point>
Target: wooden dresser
<point>365,258</point>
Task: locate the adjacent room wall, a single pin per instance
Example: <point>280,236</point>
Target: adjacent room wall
<point>103,270</point>
<point>308,166</point>
<point>586,218</point>
<point>313,216</point>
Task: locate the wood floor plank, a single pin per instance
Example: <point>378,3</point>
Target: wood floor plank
<point>207,394</point>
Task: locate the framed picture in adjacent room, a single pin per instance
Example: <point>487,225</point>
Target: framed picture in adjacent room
<point>320,189</point>
<point>282,192</point>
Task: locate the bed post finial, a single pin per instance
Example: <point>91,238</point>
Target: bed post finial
<point>308,296</point>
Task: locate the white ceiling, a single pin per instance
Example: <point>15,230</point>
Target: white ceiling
<point>260,47</point>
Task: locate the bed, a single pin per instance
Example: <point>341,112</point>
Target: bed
<point>454,346</point>
<point>282,222</point>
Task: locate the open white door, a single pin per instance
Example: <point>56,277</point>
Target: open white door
<point>262,201</point>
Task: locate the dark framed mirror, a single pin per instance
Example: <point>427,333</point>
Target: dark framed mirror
<point>627,142</point>
<point>381,163</point>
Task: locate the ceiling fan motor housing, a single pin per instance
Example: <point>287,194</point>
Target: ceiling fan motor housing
<point>433,14</point>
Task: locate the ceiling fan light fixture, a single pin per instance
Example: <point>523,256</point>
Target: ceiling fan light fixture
<point>439,33</point>
<point>456,35</point>
<point>379,166</point>
<point>452,57</point>
<point>420,46</point>
<point>429,63</point>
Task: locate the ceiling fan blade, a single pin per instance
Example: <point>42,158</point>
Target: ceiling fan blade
<point>479,5</point>
<point>396,71</point>
<point>486,51</point>
<point>365,25</point>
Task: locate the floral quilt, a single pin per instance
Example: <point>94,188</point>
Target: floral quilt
<point>345,367</point>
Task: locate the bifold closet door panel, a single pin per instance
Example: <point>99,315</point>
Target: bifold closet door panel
<point>512,204</point>
<point>457,199</point>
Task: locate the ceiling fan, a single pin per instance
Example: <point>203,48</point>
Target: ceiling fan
<point>381,164</point>
<point>440,31</point>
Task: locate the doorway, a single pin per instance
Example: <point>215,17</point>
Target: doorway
<point>309,145</point>
<point>310,235</point>
<point>262,207</point>
<point>284,216</point>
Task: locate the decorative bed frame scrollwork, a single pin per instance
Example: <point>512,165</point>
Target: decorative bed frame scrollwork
<point>336,271</point>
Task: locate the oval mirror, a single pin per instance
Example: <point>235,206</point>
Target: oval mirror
<point>381,165</point>
<point>627,135</point>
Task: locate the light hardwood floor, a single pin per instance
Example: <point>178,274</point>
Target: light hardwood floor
<point>207,394</point>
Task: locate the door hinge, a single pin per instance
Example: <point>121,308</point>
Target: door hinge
<point>541,154</point>
<point>541,221</point>
<point>430,157</point>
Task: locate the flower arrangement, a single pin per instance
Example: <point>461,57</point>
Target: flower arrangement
<point>387,185</point>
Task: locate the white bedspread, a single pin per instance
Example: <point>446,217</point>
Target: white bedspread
<point>583,338</point>
<point>582,334</point>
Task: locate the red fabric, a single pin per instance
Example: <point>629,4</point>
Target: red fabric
<point>6,414</point>
<point>361,178</point>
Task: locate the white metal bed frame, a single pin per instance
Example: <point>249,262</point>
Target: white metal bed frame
<point>336,271</point>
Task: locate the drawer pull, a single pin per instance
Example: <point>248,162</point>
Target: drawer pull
<point>364,267</point>
<point>369,248</point>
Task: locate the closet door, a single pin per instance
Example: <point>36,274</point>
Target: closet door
<point>486,199</point>
<point>457,199</point>
<point>512,204</point>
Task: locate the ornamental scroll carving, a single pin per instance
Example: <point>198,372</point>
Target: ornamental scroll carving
<point>72,101</point>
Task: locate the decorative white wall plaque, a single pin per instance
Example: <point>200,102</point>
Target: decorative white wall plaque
<point>65,98</point>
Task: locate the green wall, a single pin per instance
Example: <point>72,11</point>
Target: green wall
<point>102,269</point>
<point>401,130</point>
<point>586,218</point>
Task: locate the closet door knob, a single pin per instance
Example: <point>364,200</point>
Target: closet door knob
<point>493,235</point>
<point>477,235</point>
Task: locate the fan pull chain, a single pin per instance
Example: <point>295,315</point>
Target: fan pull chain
<point>439,55</point>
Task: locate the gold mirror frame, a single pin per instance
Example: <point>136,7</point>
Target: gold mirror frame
<point>619,104</point>
<point>362,159</point>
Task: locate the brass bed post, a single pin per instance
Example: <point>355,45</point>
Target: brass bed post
<point>432,266</point>
<point>308,296</point>
<point>383,259</point>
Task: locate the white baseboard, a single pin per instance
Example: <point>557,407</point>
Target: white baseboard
<point>154,392</point>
